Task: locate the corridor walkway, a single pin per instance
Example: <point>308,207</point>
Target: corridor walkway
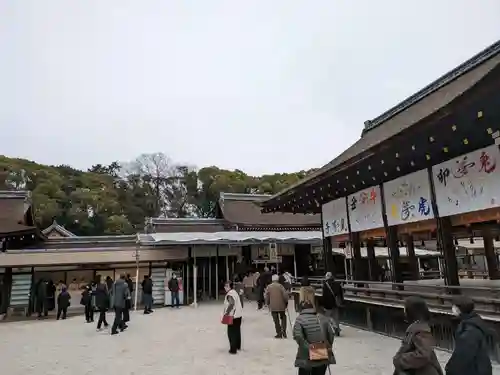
<point>181,342</point>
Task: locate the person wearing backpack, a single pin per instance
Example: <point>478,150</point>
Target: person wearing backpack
<point>470,356</point>
<point>333,298</point>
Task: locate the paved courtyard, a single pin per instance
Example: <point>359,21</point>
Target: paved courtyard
<point>181,342</point>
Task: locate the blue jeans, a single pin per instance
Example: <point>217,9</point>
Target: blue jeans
<point>175,299</point>
<point>148,302</point>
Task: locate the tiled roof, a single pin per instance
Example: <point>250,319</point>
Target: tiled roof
<point>59,229</point>
<point>245,210</point>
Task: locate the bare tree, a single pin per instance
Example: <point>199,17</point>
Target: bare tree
<point>172,184</point>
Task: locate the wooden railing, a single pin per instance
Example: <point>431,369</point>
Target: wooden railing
<point>378,307</point>
<point>438,297</point>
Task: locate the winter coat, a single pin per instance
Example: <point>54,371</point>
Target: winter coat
<point>147,286</point>
<point>86,299</point>
<point>63,300</point>
<point>121,294</point>
<point>416,355</point>
<point>333,295</point>
<point>101,297</point>
<point>130,285</point>
<point>264,280</point>
<point>470,356</point>
<point>276,297</point>
<point>173,285</point>
<point>311,328</point>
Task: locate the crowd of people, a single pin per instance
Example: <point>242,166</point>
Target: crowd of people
<point>316,327</point>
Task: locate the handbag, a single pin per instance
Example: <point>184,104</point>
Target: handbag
<point>227,320</point>
<point>319,351</point>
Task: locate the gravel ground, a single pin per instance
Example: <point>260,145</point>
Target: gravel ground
<point>180,342</point>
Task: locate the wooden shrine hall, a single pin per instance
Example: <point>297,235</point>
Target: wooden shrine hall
<point>427,169</point>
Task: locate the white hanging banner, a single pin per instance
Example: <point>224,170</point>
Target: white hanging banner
<point>408,199</point>
<point>335,218</point>
<point>468,183</point>
<point>365,209</point>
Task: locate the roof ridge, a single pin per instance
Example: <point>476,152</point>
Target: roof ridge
<point>445,79</point>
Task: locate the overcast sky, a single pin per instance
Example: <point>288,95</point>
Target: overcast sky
<point>259,85</point>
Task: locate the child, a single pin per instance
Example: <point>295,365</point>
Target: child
<point>86,301</point>
<point>63,302</point>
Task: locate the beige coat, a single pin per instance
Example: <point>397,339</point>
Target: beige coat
<point>276,297</point>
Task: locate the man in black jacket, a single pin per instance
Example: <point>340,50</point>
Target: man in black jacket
<point>173,286</point>
<point>147,294</point>
<point>333,298</point>
<point>470,356</point>
<point>263,281</point>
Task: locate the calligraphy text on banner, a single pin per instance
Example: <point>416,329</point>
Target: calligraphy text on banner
<point>469,182</point>
<point>365,209</point>
<point>408,199</point>
<point>334,218</point>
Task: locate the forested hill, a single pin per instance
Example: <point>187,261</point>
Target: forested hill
<point>116,198</point>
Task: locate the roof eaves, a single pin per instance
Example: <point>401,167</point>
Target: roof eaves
<point>186,221</point>
<point>244,197</point>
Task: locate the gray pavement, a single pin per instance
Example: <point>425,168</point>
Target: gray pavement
<point>179,342</point>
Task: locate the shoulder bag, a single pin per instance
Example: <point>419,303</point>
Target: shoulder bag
<point>338,301</point>
<point>319,351</point>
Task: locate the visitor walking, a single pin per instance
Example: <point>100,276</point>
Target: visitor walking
<point>262,282</point>
<point>333,298</point>
<point>314,337</point>
<point>233,312</point>
<point>147,294</point>
<point>277,300</point>
<point>86,302</point>
<point>41,299</point>
<point>128,302</point>
<point>102,303</point>
<point>63,302</point>
<point>173,286</point>
<point>470,355</point>
<point>416,355</point>
<point>121,294</point>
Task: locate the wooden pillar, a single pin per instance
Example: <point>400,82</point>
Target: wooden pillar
<point>328,256</point>
<point>356,260</point>
<point>373,268</point>
<point>394,255</point>
<point>412,259</point>
<point>447,247</point>
<point>446,243</point>
<point>489,253</point>
<point>391,236</point>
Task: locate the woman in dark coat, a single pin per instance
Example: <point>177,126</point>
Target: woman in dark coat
<point>470,356</point>
<point>309,329</point>
<point>416,355</point>
<point>102,304</point>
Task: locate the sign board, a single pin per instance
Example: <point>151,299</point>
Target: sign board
<point>348,252</point>
<point>273,252</point>
<point>408,199</point>
<point>365,209</point>
<point>469,182</point>
<point>335,218</point>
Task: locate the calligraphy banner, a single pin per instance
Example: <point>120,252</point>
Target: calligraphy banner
<point>365,209</point>
<point>468,183</point>
<point>335,218</point>
<point>408,199</point>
